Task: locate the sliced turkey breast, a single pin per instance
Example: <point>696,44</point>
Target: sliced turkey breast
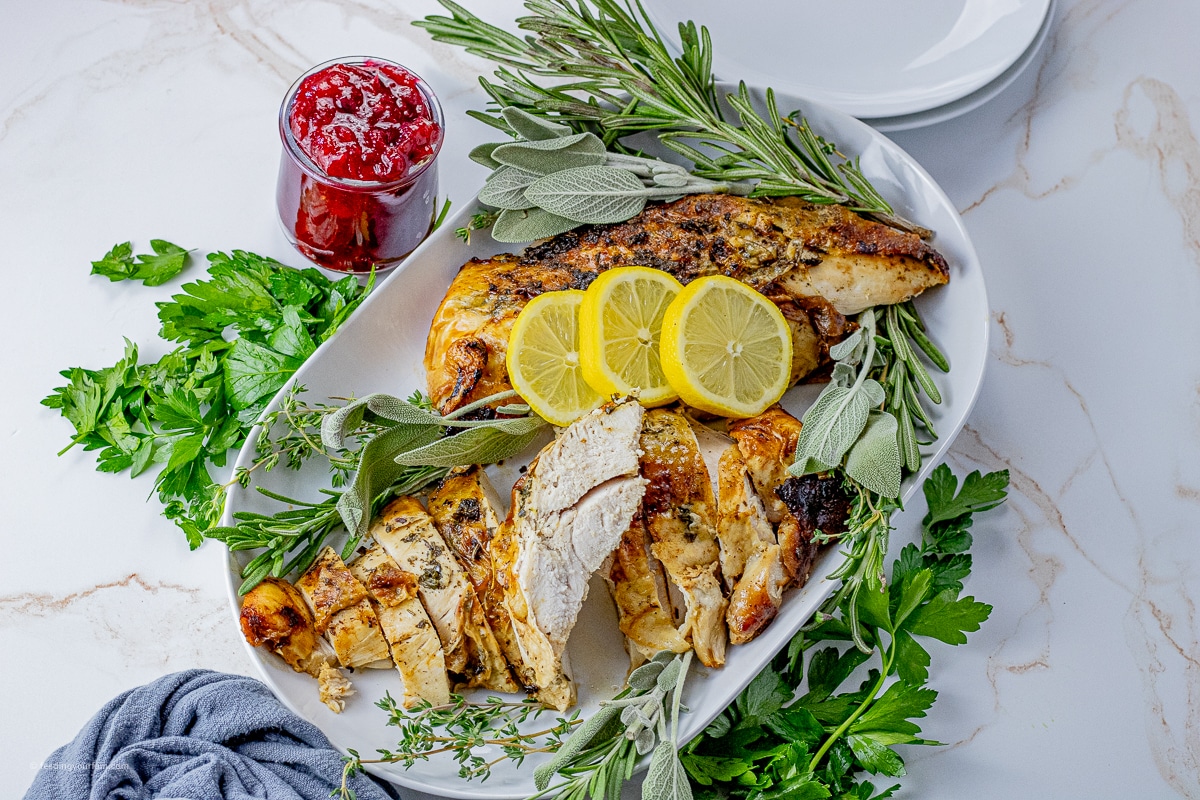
<point>751,560</point>
<point>768,445</point>
<point>342,613</point>
<point>416,649</point>
<point>639,590</point>
<point>679,509</point>
<point>464,509</point>
<point>274,615</point>
<point>568,514</point>
<point>406,531</point>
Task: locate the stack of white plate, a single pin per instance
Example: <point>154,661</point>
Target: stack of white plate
<point>895,65</point>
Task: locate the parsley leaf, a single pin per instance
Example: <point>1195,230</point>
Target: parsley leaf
<point>241,332</point>
<point>821,743</point>
<point>120,264</point>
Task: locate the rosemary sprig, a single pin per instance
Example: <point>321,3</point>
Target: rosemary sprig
<point>369,459</point>
<point>621,80</point>
<point>878,377</point>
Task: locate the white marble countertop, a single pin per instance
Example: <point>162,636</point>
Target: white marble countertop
<point>1080,185</point>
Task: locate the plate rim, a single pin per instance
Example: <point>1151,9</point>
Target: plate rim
<point>973,100</point>
<point>246,455</point>
<point>863,104</point>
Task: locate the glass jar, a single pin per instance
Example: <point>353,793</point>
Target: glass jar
<point>351,224</point>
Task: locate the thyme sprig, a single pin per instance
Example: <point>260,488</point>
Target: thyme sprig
<point>611,74</point>
<point>462,727</point>
<point>593,758</point>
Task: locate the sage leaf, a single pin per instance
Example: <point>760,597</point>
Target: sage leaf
<point>593,195</point>
<point>575,743</point>
<point>843,375</point>
<point>665,777</point>
<point>873,392</point>
<point>830,427</point>
<point>482,445</point>
<point>670,179</point>
<point>644,741</point>
<point>525,226</point>
<point>552,155</point>
<point>874,460</point>
<point>645,676</point>
<point>670,676</point>
<point>482,154</point>
<point>376,407</point>
<point>533,128</point>
<point>505,188</point>
<point>848,349</point>
<point>377,470</point>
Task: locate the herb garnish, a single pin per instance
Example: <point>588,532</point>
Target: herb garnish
<point>776,741</point>
<point>594,761</point>
<point>120,264</point>
<point>243,331</point>
<point>623,80</point>
<point>552,180</point>
<point>386,447</point>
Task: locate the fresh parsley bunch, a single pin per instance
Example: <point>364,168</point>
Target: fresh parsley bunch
<point>242,332</point>
<point>798,730</point>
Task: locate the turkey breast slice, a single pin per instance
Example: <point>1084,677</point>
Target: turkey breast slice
<point>568,514</point>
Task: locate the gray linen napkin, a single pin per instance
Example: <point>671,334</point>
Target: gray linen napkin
<point>199,735</point>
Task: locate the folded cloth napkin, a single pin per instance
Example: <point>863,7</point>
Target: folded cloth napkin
<point>198,735</point>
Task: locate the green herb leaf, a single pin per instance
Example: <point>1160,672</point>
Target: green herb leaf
<point>255,372</point>
<point>533,128</point>
<point>547,156</point>
<point>167,262</point>
<point>666,778</point>
<point>505,188</point>
<point>119,264</point>
<point>947,618</point>
<point>874,755</point>
<point>377,470</point>
<point>830,427</point>
<point>482,154</point>
<point>978,493</point>
<point>482,445</point>
<point>530,225</point>
<point>590,194</point>
<point>874,459</point>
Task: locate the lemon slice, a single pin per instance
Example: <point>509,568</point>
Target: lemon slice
<point>726,349</point>
<point>620,322</point>
<point>543,358</point>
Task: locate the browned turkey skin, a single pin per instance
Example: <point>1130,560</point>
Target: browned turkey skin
<point>819,263</point>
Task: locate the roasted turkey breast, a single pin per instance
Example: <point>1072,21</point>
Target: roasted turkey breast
<point>343,614</point>
<point>408,535</point>
<point>679,510</point>
<point>275,615</point>
<point>568,514</point>
<point>416,649</point>
<point>465,509</point>
<point>818,262</point>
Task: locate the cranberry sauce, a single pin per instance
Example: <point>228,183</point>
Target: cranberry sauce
<point>357,181</point>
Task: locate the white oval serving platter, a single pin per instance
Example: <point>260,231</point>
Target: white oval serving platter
<point>381,348</point>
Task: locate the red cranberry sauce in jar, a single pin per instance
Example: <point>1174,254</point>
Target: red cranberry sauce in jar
<point>357,181</point>
<point>364,122</point>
